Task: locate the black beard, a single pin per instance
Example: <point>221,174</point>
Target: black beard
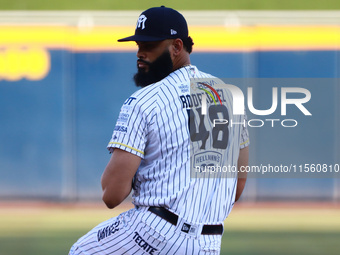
<point>158,70</point>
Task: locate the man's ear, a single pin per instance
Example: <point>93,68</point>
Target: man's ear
<point>177,46</point>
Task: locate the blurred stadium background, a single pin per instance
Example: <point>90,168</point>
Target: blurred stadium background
<point>63,78</point>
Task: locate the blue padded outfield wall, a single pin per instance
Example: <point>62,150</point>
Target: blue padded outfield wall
<point>55,128</point>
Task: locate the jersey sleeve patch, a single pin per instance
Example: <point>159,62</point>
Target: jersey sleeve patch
<point>129,133</point>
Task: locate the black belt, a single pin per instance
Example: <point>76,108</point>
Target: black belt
<point>173,218</point>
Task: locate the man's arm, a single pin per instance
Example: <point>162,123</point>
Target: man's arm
<point>118,175</point>
<point>242,177</point>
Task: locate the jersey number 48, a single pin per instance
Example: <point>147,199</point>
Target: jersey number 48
<point>203,126</point>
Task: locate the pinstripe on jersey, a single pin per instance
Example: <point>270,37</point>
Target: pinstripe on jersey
<point>142,232</point>
<point>153,124</point>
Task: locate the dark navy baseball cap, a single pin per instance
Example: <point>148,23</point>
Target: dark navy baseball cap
<point>157,24</point>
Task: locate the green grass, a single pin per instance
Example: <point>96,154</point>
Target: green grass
<point>177,4</point>
<point>248,231</point>
<point>280,243</point>
<point>46,230</point>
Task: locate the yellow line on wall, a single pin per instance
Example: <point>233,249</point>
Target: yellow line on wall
<point>206,38</point>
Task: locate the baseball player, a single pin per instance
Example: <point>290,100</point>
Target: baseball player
<point>161,144</point>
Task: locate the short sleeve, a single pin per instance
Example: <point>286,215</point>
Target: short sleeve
<point>129,133</point>
<point>244,133</point>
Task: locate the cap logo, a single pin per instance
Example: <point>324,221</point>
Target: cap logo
<point>173,32</point>
<point>141,21</point>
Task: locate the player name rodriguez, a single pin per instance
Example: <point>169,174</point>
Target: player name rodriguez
<point>269,168</point>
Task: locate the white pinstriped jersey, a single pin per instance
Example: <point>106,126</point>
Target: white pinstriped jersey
<point>153,124</point>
